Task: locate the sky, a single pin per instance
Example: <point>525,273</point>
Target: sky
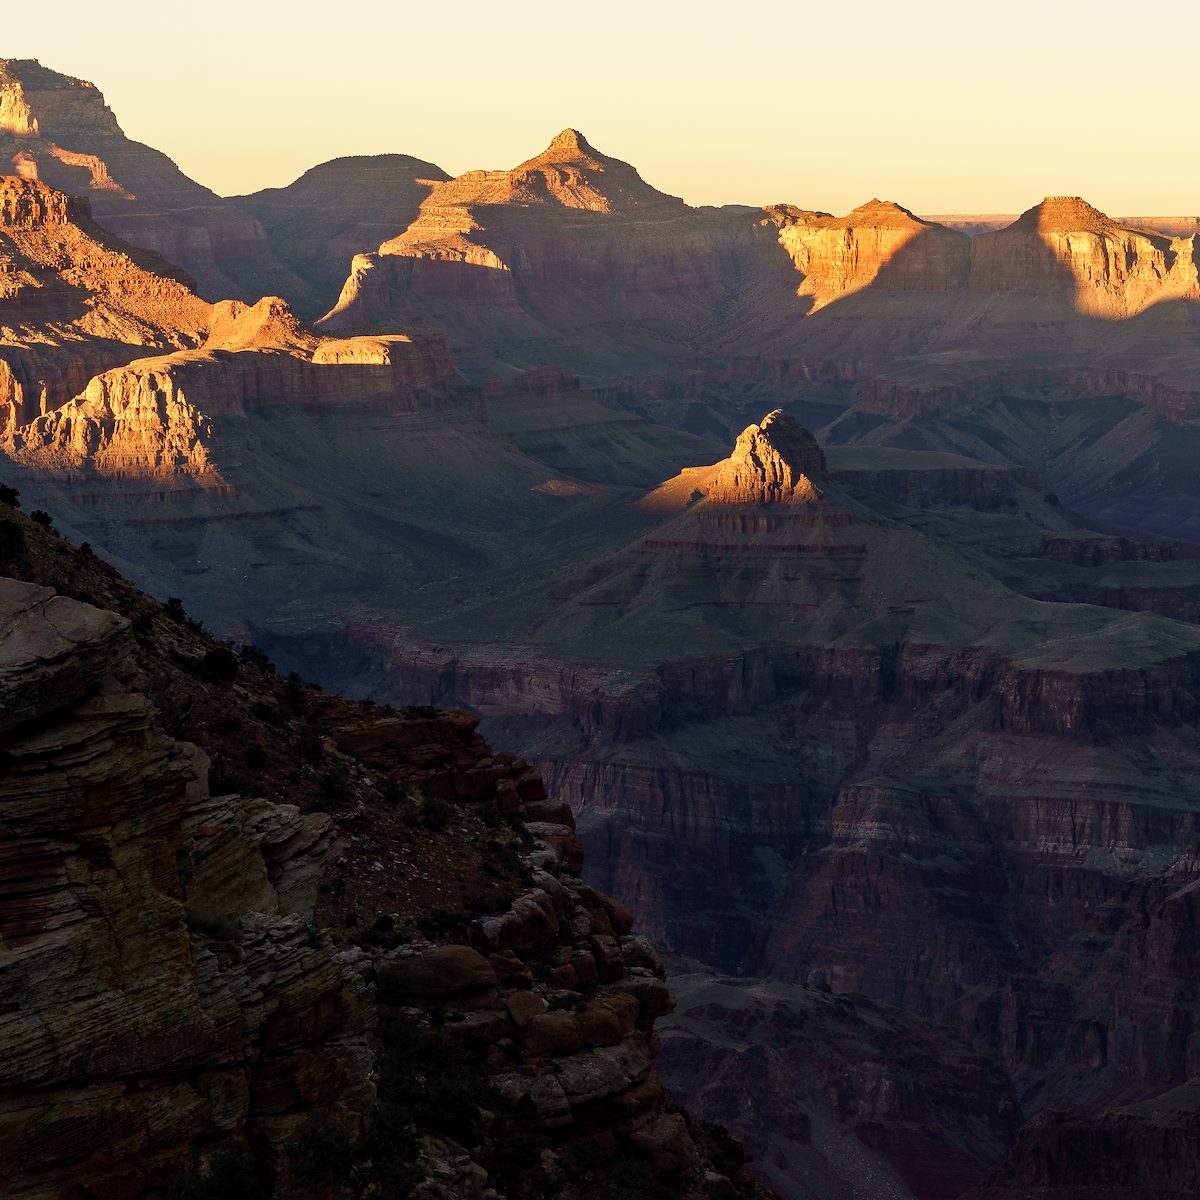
<point>943,107</point>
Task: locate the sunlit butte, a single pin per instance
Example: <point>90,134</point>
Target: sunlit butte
<point>943,107</point>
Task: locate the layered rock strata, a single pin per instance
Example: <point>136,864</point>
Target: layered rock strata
<point>559,251</point>
<point>185,967</point>
<point>1108,269</point>
<point>540,262</point>
<point>163,986</point>
<point>824,744</point>
<point>795,1070</point>
<point>74,301</point>
<point>58,129</point>
<point>1137,1152</point>
<point>153,418</point>
<point>772,463</point>
<point>878,245</point>
<point>558,991</point>
<point>336,210</point>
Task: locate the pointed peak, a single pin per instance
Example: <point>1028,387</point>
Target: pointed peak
<point>570,141</point>
<point>789,439</point>
<point>882,212</point>
<point>773,462</point>
<point>577,175</point>
<point>1065,212</point>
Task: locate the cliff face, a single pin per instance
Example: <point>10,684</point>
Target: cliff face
<point>1131,1153</point>
<point>74,301</point>
<point>545,259</point>
<point>772,463</point>
<point>795,1070</point>
<point>185,961</point>
<point>1112,443</point>
<point>571,259</point>
<point>878,244</point>
<point>853,695</point>
<point>703,318</point>
<point>337,210</point>
<point>153,417</point>
<point>557,987</point>
<point>27,206</point>
<point>38,102</point>
<point>137,1028</point>
<point>58,129</point>
<point>550,253</point>
<point>1065,245</point>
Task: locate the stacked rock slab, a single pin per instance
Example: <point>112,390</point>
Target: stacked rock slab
<point>558,992</point>
<point>165,983</point>
<point>160,989</point>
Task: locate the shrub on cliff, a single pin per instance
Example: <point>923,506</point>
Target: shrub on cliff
<point>12,543</point>
<point>219,665</point>
<point>224,779</point>
<point>10,496</point>
<point>424,1088</point>
<point>174,609</point>
<point>726,1153</point>
<point>252,655</point>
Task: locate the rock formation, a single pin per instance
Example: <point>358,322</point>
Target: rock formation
<point>58,129</point>
<point>794,1069</point>
<point>85,384</point>
<point>775,462</point>
<point>878,245</point>
<point>175,959</point>
<point>75,301</point>
<point>1142,1151</point>
<point>556,262</point>
<point>885,730</point>
<point>154,418</point>
<point>334,211</point>
<point>1102,268</point>
<point>572,260</point>
<point>162,986</point>
<point>550,253</point>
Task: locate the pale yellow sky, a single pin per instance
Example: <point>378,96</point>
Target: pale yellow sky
<point>943,107</point>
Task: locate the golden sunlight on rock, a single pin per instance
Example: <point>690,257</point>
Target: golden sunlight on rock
<point>1064,244</point>
<point>878,244</point>
<point>773,462</point>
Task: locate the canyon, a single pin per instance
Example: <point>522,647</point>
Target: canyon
<point>839,573</point>
<point>187,957</point>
